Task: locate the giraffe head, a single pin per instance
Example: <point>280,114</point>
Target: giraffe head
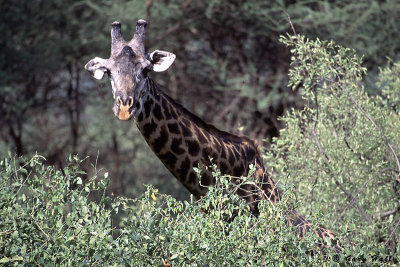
<point>127,67</point>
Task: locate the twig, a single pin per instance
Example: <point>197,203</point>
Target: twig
<point>373,123</point>
<point>149,3</point>
<point>347,193</point>
<point>388,213</point>
<point>173,28</point>
<point>38,226</point>
<point>359,191</point>
<point>228,108</point>
<point>394,229</point>
<point>319,144</point>
<point>291,25</point>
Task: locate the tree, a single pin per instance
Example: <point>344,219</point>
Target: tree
<point>341,150</point>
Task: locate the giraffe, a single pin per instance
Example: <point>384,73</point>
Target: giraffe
<point>180,139</point>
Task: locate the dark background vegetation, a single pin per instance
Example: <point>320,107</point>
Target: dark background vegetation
<point>230,70</point>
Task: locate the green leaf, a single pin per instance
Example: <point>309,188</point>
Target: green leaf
<point>15,258</point>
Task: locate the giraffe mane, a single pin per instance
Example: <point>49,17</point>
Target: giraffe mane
<point>207,126</point>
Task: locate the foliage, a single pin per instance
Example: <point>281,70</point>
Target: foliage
<point>49,217</point>
<point>389,82</point>
<point>236,49</point>
<point>341,149</point>
<point>230,69</point>
<point>217,230</point>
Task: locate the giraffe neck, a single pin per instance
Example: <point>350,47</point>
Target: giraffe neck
<point>168,134</point>
<point>182,141</point>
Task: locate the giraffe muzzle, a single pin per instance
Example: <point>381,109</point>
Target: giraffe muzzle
<point>123,109</point>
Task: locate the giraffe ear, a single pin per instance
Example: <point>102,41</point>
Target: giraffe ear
<point>97,67</point>
<point>161,60</point>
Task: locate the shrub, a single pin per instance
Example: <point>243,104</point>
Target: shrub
<point>47,218</point>
<point>51,217</point>
<point>340,150</point>
<point>217,230</point>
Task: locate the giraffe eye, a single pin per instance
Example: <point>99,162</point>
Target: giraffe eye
<point>147,70</point>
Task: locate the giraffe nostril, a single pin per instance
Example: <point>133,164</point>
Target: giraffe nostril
<point>130,101</point>
<point>119,101</point>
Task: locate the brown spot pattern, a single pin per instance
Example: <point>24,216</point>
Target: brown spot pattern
<point>161,140</point>
<point>157,112</point>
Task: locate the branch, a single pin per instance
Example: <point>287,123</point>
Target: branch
<point>347,193</point>
<point>373,123</point>
<point>149,3</point>
<point>228,108</point>
<point>388,213</point>
<point>394,229</point>
<point>173,28</point>
<point>359,191</point>
<point>38,226</point>
<point>291,25</point>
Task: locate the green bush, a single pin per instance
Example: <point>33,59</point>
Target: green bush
<point>217,230</point>
<point>50,217</point>
<point>47,218</point>
<point>340,150</point>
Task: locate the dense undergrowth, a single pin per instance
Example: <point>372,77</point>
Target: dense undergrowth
<point>50,217</point>
<point>336,160</point>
